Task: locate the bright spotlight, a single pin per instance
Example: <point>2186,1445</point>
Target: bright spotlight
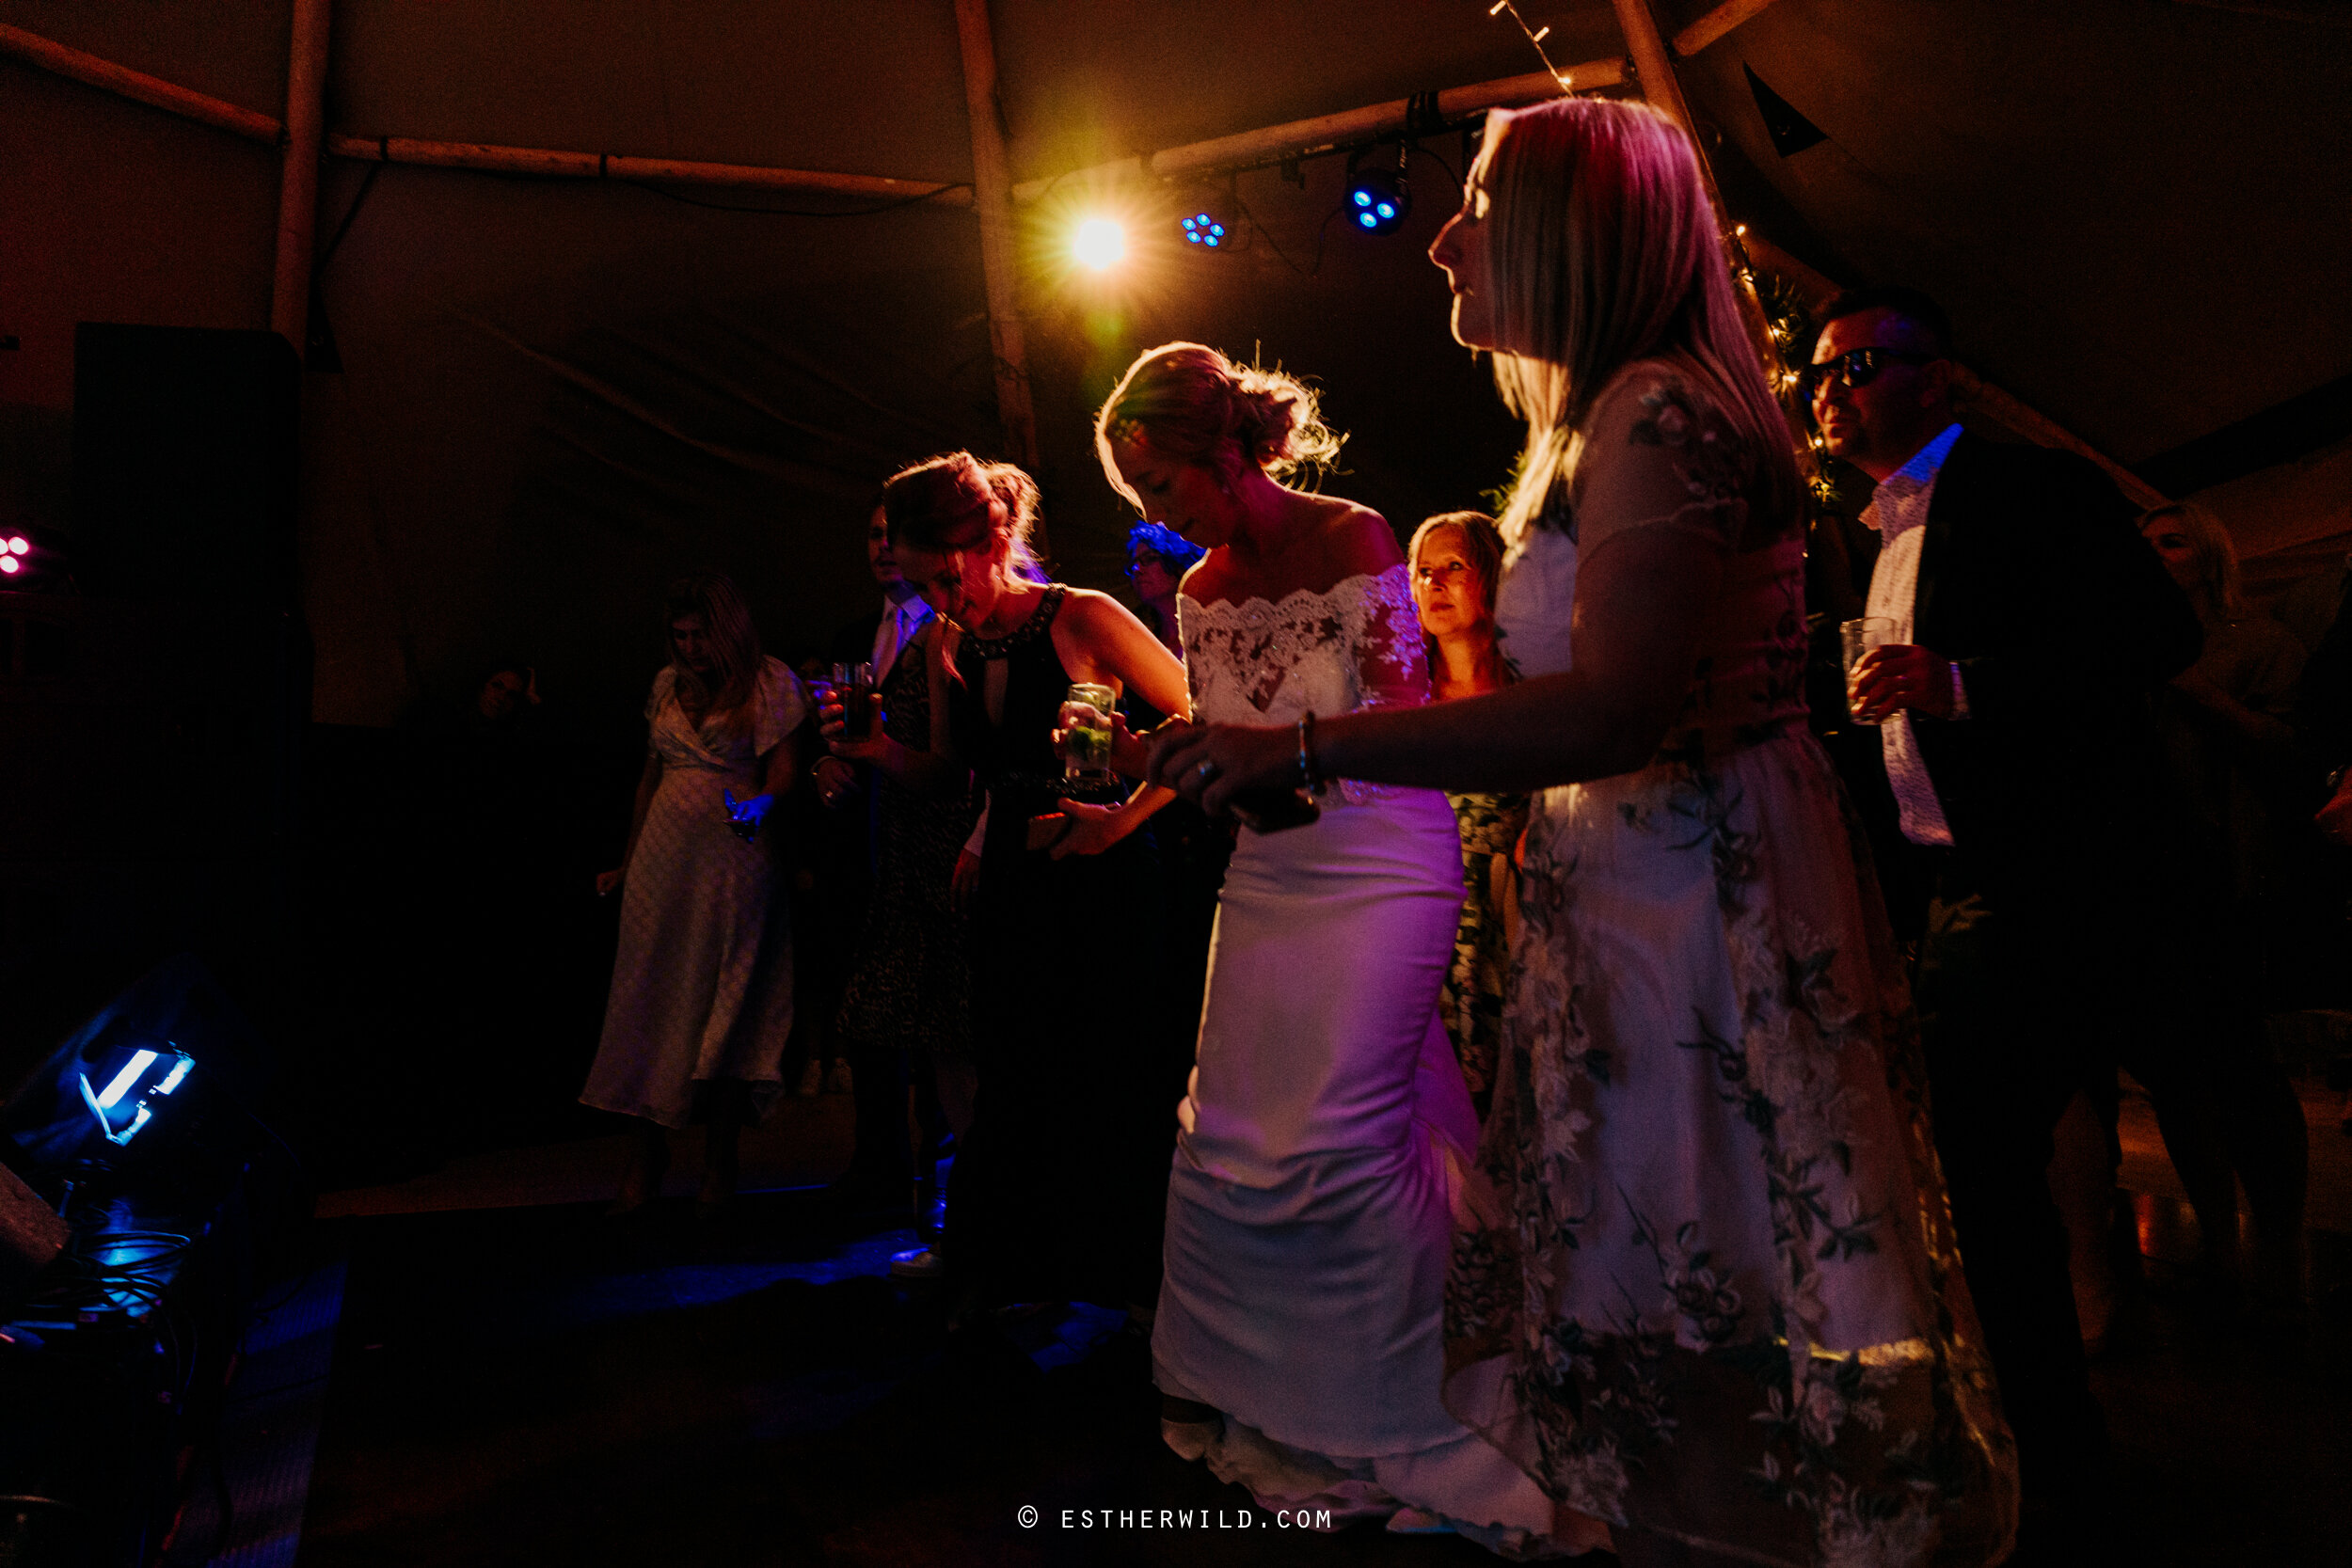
<point>18,545</point>
<point>9,565</point>
<point>1100,243</point>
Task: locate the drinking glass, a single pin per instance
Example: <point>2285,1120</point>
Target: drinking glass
<point>854,685</point>
<point>1086,726</point>
<point>1856,638</point>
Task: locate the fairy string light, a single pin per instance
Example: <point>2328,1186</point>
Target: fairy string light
<point>1792,327</point>
<point>1789,324</point>
<point>1536,36</point>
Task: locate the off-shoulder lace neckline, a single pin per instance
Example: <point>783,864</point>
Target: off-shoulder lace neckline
<point>1239,605</point>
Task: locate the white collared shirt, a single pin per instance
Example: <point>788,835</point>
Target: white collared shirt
<point>1898,511</point>
<point>899,622</point>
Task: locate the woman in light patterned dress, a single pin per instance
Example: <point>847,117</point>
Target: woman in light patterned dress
<point>1298,1343</point>
<point>1705,1288</point>
<point>1457,559</point>
<point>702,987</point>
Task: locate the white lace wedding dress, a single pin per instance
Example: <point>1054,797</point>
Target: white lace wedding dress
<point>1308,1221</point>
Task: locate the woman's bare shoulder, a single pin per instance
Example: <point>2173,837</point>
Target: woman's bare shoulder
<point>1357,541</point>
<point>1088,609</point>
<point>1208,580</point>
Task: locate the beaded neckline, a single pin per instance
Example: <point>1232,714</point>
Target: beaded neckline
<point>1040,621</point>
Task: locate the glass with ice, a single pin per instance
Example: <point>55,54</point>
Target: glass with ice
<point>1086,733</point>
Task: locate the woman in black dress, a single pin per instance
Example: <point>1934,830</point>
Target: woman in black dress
<point>1059,1186</point>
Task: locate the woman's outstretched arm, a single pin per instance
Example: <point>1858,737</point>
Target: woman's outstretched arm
<point>1658,509</point>
<point>1641,606</point>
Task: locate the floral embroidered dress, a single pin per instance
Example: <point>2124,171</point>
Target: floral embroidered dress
<point>1472,999</point>
<point>1710,1289</point>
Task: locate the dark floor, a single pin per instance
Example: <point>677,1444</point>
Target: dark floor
<point>526,1385</point>
<point>523,1386</point>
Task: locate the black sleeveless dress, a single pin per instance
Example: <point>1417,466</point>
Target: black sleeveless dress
<point>910,987</point>
<point>1060,1190</point>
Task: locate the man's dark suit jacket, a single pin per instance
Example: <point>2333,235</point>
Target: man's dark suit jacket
<point>2034,579</point>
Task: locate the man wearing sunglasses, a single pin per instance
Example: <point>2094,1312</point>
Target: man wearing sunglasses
<point>2030,624</point>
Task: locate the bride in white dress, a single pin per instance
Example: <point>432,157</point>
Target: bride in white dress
<point>1298,1340</point>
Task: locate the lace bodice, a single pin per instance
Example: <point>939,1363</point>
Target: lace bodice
<point>1356,646</point>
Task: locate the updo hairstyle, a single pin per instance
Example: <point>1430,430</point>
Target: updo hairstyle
<point>943,503</point>
<point>1190,402</point>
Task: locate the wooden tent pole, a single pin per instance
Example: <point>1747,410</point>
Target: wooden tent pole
<point>1304,138</point>
<point>1655,67</point>
<point>298,184</point>
<point>555,164</point>
<point>90,70</point>
<point>991,198</point>
<point>1273,144</point>
<point>1714,25</point>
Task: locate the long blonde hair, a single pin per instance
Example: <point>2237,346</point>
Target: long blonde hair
<point>735,650</point>
<point>2220,594</point>
<point>1604,250</point>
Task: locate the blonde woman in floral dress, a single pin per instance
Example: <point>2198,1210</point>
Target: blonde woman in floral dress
<point>1703,1286</point>
<point>1457,559</point>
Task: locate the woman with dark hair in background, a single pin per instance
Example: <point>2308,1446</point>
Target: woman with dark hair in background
<point>1299,1345</point>
<point>1059,1185</point>
<point>1705,1289</point>
<point>1157,560</point>
<point>1457,559</point>
<point>701,1003</point>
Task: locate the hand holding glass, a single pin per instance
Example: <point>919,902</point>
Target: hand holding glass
<point>1855,639</point>
<point>1086,733</point>
<point>853,684</point>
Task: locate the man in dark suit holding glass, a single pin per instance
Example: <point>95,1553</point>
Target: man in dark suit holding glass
<point>2027,625</point>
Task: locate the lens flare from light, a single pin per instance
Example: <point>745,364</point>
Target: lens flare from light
<point>1100,243</point>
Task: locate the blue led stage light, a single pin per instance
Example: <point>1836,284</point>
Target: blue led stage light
<point>1378,198</point>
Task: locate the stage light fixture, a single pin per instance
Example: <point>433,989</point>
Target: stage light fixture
<point>1100,243</point>
<point>1378,198</point>
<point>9,565</point>
<point>19,546</point>
<point>145,1077</point>
<point>1380,201</point>
<point>1203,229</point>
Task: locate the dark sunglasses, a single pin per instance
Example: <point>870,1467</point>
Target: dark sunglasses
<point>1856,367</point>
